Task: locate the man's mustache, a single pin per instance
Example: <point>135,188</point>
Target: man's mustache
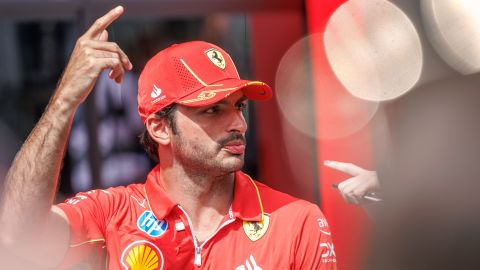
<point>232,137</point>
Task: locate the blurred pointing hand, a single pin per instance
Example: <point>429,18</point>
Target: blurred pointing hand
<point>355,188</point>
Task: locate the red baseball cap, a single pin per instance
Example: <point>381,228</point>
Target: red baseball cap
<point>193,74</point>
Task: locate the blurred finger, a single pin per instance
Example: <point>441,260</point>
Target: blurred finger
<point>354,200</point>
<point>349,168</point>
<point>346,185</point>
<point>119,78</point>
<point>117,73</point>
<point>109,63</point>
<point>103,22</point>
<point>342,188</point>
<point>348,192</point>
<point>357,199</point>
<point>345,198</point>
<point>352,197</point>
<point>102,54</point>
<point>112,47</point>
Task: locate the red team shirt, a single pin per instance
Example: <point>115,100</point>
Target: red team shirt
<point>139,227</point>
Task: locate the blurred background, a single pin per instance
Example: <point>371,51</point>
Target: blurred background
<point>388,85</point>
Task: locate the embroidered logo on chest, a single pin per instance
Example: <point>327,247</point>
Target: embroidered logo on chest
<point>149,224</point>
<point>256,229</point>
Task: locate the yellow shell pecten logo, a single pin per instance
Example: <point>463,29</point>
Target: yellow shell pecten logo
<point>256,229</point>
<point>142,255</point>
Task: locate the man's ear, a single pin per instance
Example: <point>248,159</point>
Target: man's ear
<point>159,129</point>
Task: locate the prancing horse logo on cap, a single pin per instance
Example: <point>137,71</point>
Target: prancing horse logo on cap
<point>216,57</point>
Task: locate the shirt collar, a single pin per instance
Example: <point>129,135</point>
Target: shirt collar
<point>246,205</point>
<point>158,200</point>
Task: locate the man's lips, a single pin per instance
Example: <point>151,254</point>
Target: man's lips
<point>235,147</point>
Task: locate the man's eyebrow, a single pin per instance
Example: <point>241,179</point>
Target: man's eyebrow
<point>223,101</point>
<point>220,102</point>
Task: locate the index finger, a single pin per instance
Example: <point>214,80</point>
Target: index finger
<point>103,22</point>
<point>344,167</point>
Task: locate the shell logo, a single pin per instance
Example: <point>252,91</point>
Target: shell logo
<point>142,255</point>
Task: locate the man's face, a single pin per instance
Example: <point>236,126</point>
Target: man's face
<point>211,139</point>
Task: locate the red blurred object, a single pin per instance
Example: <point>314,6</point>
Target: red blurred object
<point>349,223</point>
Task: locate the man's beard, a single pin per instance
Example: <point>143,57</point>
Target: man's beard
<point>204,159</point>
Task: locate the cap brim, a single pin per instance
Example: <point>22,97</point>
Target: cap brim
<point>210,94</point>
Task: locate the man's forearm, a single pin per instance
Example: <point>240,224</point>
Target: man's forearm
<point>31,182</point>
<point>27,221</point>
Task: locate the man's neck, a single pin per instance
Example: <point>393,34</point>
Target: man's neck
<point>205,198</point>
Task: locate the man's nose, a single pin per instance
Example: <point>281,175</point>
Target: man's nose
<point>238,123</point>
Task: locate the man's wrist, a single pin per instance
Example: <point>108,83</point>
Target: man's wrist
<point>62,105</point>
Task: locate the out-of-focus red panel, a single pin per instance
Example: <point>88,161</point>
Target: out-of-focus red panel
<point>348,222</point>
<point>273,33</point>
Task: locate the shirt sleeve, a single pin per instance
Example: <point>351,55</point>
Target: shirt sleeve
<point>314,245</point>
<point>88,214</point>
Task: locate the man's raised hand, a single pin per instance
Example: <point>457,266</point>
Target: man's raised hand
<point>92,54</point>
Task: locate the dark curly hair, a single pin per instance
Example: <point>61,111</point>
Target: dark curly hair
<point>149,144</point>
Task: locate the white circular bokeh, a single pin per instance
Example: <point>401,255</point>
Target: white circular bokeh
<point>453,28</point>
<point>333,114</point>
<point>373,49</point>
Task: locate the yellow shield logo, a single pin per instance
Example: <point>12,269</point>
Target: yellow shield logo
<point>256,229</point>
<point>216,57</point>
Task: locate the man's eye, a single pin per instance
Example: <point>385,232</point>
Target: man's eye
<point>213,109</point>
<point>242,106</point>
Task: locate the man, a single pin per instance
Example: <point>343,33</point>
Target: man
<point>196,209</point>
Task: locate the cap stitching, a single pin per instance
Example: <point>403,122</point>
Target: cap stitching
<point>204,95</point>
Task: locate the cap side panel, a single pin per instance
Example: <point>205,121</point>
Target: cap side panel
<point>188,83</point>
<point>193,73</point>
<point>234,67</point>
